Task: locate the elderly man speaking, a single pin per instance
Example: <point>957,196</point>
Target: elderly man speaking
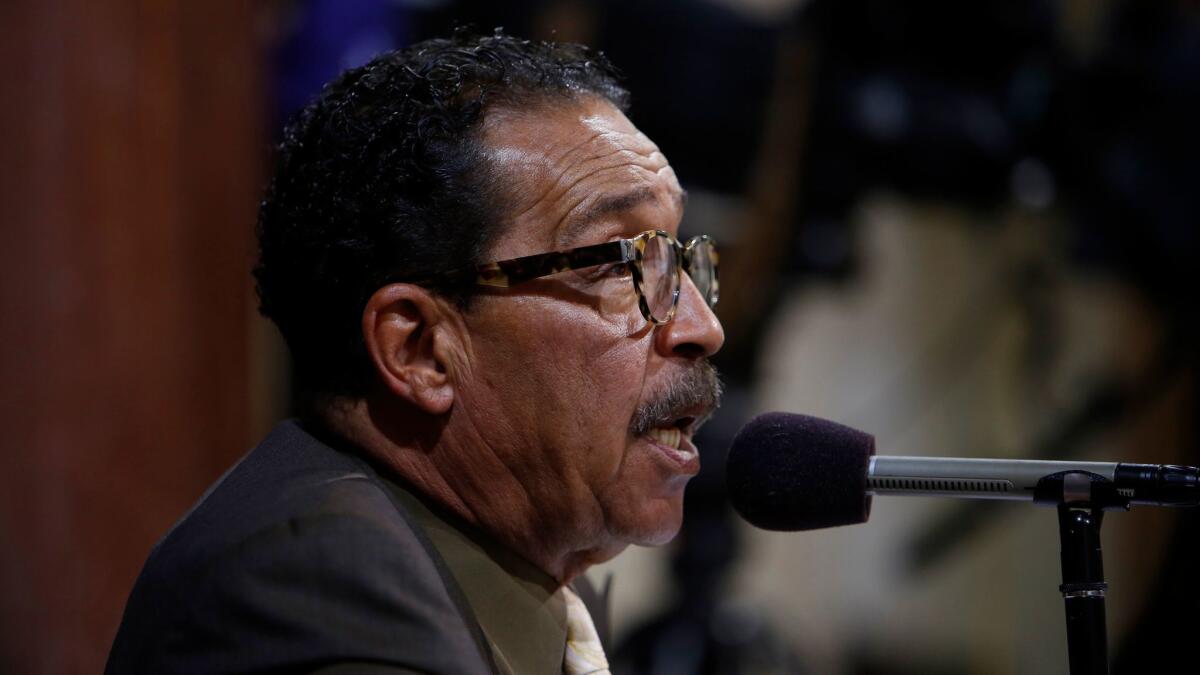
<point>471,253</point>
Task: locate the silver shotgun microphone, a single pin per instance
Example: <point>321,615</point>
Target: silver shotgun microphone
<point>1018,479</point>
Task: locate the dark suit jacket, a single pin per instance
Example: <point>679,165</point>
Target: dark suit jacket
<point>298,559</point>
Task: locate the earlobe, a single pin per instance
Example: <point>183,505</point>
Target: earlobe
<point>402,325</point>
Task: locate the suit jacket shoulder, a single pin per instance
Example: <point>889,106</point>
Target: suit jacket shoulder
<point>297,559</point>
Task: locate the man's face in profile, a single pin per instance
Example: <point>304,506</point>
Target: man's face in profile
<point>560,367</point>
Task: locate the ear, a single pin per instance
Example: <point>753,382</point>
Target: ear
<point>403,328</point>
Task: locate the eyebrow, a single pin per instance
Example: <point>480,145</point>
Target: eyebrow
<point>611,204</point>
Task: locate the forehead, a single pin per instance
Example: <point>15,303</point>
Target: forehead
<point>577,172</point>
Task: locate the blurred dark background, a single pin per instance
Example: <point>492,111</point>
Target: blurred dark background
<point>965,227</point>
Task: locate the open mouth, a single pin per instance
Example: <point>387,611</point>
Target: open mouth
<point>674,444</point>
<point>668,437</point>
<point>671,435</point>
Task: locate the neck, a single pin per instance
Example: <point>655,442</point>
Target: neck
<point>462,478</point>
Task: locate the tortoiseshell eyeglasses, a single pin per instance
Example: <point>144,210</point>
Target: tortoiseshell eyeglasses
<point>655,259</point>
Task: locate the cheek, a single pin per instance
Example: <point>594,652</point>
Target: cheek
<point>571,375</point>
<point>620,310</point>
<point>598,383</point>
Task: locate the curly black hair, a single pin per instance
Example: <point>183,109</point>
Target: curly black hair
<point>384,176</point>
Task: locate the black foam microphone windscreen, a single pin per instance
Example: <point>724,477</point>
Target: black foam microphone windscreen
<point>795,472</point>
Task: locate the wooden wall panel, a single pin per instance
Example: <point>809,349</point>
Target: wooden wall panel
<point>132,153</point>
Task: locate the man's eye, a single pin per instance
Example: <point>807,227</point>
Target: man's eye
<point>604,272</point>
<point>613,270</point>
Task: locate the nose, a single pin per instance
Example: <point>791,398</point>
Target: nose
<point>695,332</point>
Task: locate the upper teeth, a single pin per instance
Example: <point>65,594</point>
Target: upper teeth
<point>668,437</point>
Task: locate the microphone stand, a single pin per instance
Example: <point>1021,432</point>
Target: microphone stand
<point>1081,499</point>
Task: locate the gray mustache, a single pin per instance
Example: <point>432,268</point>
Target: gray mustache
<point>698,387</point>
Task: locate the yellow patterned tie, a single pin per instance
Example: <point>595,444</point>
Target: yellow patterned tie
<point>585,654</point>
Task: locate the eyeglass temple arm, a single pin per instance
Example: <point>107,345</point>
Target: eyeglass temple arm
<point>505,273</point>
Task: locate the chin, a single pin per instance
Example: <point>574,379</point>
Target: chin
<point>654,525</point>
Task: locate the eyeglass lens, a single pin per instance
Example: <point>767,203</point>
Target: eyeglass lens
<point>660,282</point>
<point>702,269</point>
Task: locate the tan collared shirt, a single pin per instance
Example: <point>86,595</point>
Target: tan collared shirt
<point>519,608</point>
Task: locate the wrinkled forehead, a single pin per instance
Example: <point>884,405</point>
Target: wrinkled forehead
<point>574,173</point>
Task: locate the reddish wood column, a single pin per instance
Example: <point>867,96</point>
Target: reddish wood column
<point>132,147</point>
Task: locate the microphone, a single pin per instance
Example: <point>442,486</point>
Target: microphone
<point>795,472</point>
